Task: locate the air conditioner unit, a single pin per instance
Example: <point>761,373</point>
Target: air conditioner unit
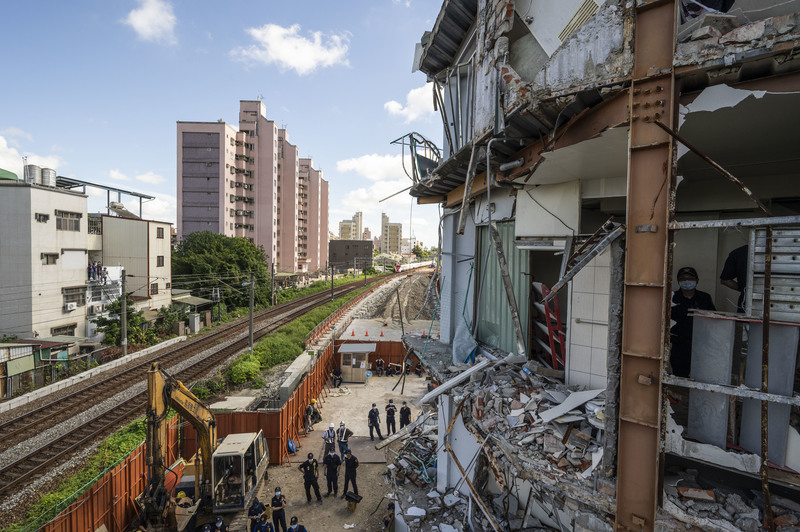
<point>97,309</point>
<point>69,307</point>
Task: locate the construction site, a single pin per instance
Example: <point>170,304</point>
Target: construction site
<point>619,235</point>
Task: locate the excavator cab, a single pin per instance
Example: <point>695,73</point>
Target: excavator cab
<point>239,463</point>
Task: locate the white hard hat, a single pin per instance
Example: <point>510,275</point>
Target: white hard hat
<point>330,426</point>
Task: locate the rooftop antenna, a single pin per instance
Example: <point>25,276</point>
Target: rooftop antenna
<point>258,95</point>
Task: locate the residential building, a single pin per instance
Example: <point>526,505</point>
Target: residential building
<point>407,245</point>
<point>228,183</point>
<point>391,235</point>
<point>313,193</point>
<point>43,257</point>
<point>349,254</point>
<point>367,234</point>
<point>675,121</point>
<point>351,229</point>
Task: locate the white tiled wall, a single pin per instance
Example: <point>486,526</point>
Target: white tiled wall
<point>588,324</point>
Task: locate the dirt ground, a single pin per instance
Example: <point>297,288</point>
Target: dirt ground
<point>413,292</point>
<point>350,405</point>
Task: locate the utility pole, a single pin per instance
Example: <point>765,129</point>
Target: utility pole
<point>123,317</point>
<point>252,296</point>
<point>354,267</point>
<point>272,285</point>
<point>331,281</point>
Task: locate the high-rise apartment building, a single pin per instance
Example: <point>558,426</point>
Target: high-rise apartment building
<point>246,182</point>
<point>351,229</point>
<point>391,235</point>
<point>313,201</point>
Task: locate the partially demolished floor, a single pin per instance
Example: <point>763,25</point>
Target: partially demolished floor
<point>534,452</point>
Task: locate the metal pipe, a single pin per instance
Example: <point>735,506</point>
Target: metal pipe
<point>764,473</point>
<point>505,167</point>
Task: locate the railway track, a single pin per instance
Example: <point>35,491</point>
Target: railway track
<point>38,462</point>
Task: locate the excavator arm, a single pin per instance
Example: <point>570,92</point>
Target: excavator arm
<point>163,392</point>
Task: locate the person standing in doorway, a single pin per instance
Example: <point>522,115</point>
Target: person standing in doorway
<point>685,299</point>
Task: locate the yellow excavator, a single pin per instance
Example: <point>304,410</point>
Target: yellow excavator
<point>226,474</point>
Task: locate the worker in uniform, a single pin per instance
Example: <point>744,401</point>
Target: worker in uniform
<point>206,527</point>
<point>685,299</point>
<point>379,367</point>
<point>405,415</point>
<point>329,437</point>
<point>374,420</point>
<point>220,525</point>
<point>296,526</point>
<point>278,510</point>
<point>264,525</point>
<point>310,469</point>
<point>350,466</point>
<point>255,513</point>
<point>332,463</point>
<point>391,409</point>
<point>342,436</point>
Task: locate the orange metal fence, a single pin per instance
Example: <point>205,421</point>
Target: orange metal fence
<point>109,501</point>
<point>278,425</point>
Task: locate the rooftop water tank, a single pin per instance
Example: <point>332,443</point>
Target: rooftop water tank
<point>33,174</point>
<point>48,177</point>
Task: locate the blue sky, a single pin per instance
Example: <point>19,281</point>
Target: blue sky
<point>94,90</point>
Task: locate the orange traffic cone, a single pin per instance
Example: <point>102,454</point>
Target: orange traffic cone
<point>424,335</point>
<point>354,333</point>
<point>366,333</point>
<point>381,332</point>
<point>437,334</point>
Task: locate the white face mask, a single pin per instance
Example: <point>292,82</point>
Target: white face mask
<point>277,493</point>
<point>688,285</point>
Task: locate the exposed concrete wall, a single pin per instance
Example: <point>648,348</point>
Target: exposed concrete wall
<point>457,287</point>
<point>599,53</point>
<point>295,372</point>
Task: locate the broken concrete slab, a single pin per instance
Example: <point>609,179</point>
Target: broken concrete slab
<point>455,381</point>
<point>697,494</point>
<point>572,402</point>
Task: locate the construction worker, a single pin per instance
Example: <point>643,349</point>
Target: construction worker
<point>405,415</point>
<point>278,510</point>
<point>379,367</point>
<point>374,420</point>
<point>342,436</point>
<point>310,469</point>
<point>297,527</point>
<point>391,409</point>
<point>264,525</point>
<point>206,527</point>
<point>220,525</point>
<point>350,466</point>
<point>329,437</point>
<point>332,463</point>
<point>255,513</point>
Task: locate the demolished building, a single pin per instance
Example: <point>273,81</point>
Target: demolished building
<point>590,150</point>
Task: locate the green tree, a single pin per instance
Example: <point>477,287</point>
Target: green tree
<point>419,252</point>
<point>168,317</point>
<point>111,324</point>
<point>204,260</point>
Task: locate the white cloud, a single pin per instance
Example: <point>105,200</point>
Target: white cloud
<point>162,209</point>
<point>154,21</point>
<point>375,167</point>
<point>419,105</point>
<point>11,159</point>
<point>150,177</point>
<point>289,50</point>
<point>13,132</point>
<point>367,199</point>
<point>116,175</point>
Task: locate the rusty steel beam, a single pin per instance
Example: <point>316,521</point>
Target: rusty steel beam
<point>647,266</point>
<point>589,124</point>
<point>764,472</point>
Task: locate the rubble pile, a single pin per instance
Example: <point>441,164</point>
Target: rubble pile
<point>412,475</point>
<point>549,427</point>
<point>723,509</point>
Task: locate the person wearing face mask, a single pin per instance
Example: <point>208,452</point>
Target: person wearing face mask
<point>685,299</point>
<point>278,510</point>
